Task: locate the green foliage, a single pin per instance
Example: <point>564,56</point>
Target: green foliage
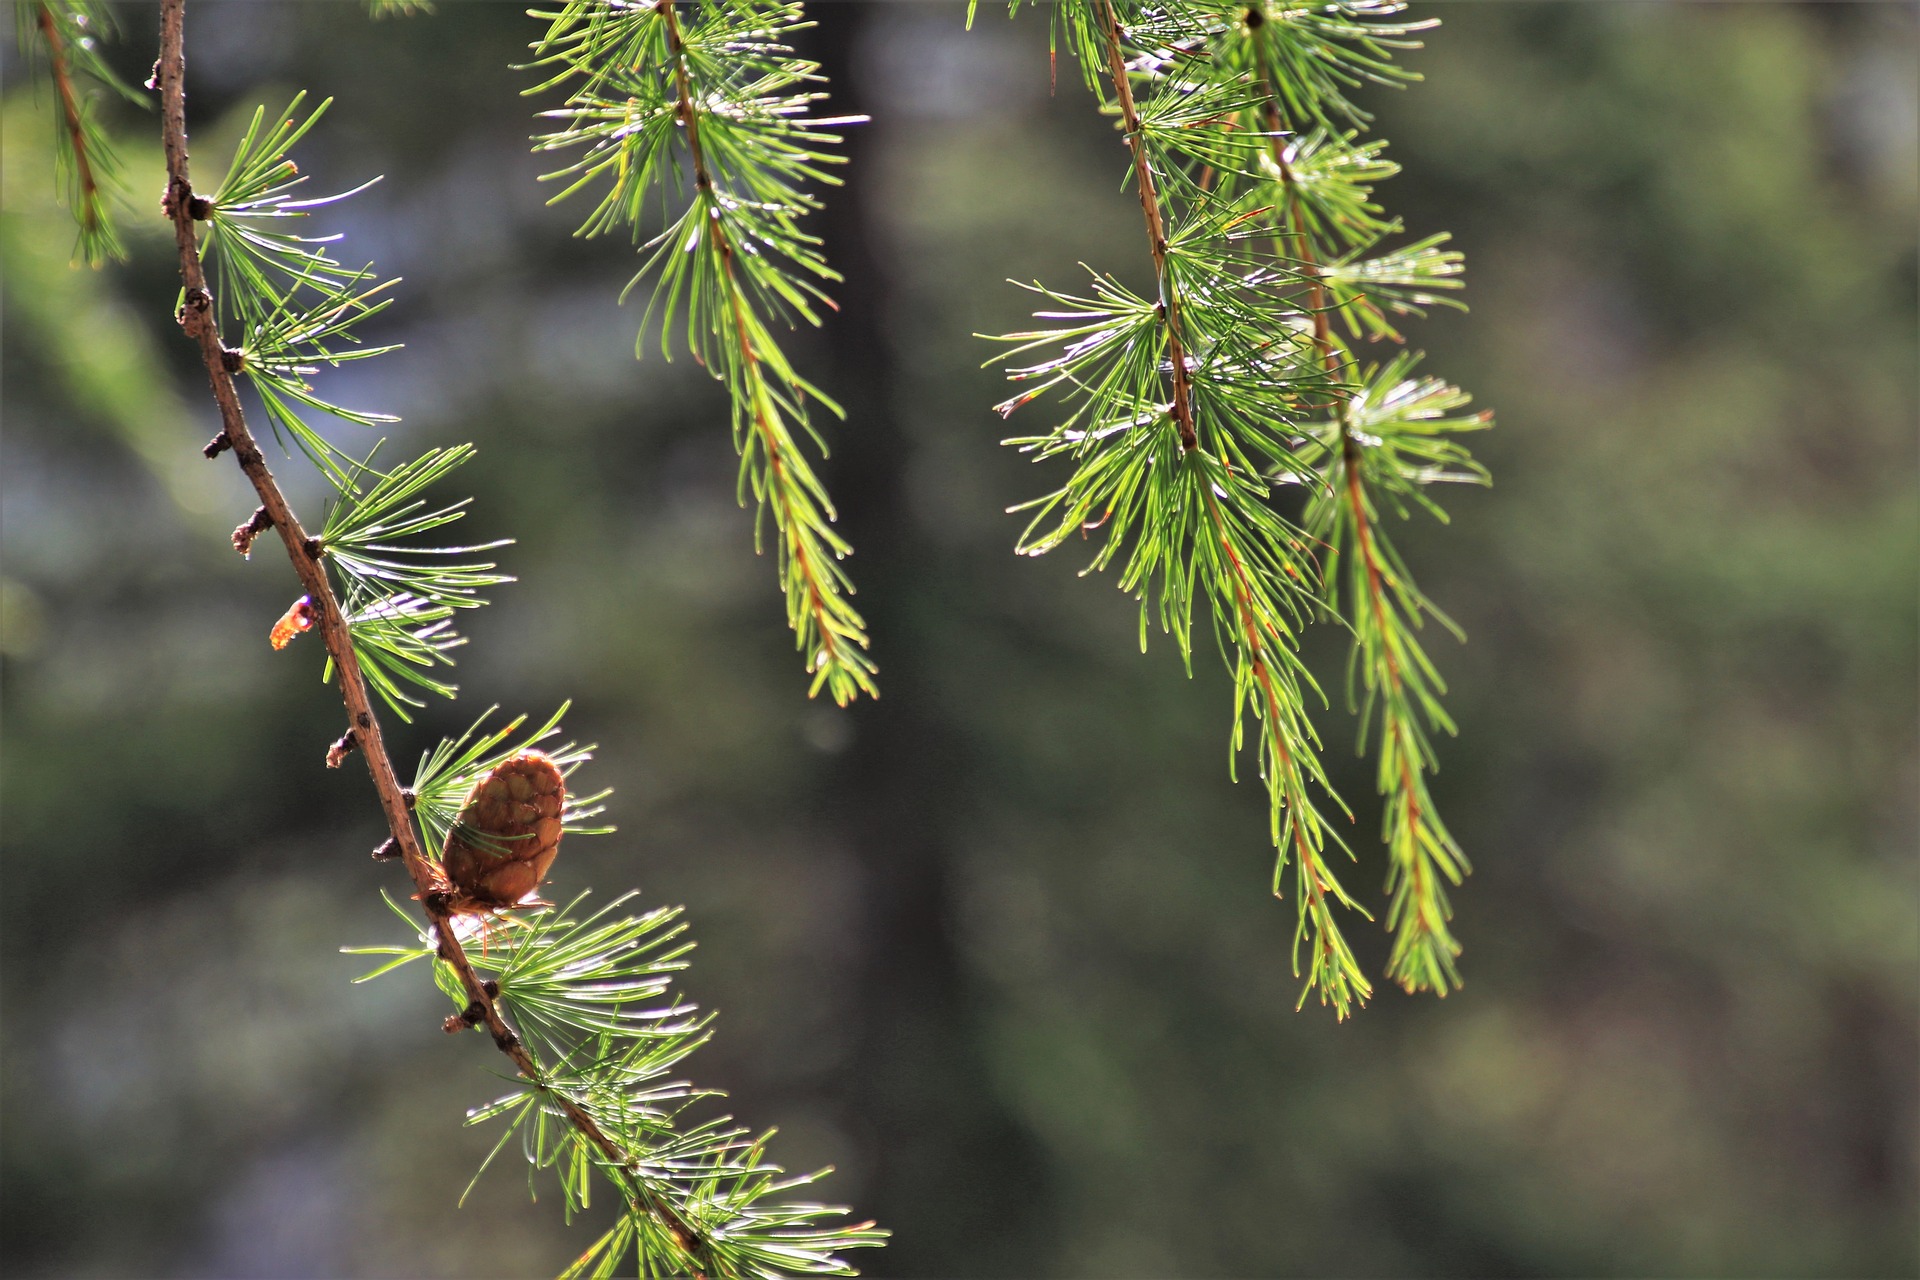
<point>1687,1044</point>
<point>67,35</point>
<point>298,309</point>
<point>364,532</point>
<point>590,995</point>
<point>1184,411</point>
<point>1393,438</point>
<point>297,306</point>
<point>399,597</point>
<point>723,94</point>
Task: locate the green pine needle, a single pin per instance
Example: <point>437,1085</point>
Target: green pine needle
<point>368,535</point>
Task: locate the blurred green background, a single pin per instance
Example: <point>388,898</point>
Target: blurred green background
<point>1000,945</point>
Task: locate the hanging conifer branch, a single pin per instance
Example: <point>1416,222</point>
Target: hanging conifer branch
<point>69,33</point>
<point>1186,411</point>
<point>1188,486</point>
<point>96,231</point>
<point>592,1098</point>
<point>728,87</point>
<point>1388,434</point>
<point>196,318</point>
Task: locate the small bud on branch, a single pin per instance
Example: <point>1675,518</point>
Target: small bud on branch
<point>255,525</point>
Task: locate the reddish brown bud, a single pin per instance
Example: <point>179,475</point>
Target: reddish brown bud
<point>337,753</point>
<point>292,623</point>
<point>250,529</point>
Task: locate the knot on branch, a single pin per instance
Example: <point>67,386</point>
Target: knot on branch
<point>232,359</point>
<point>466,1019</point>
<point>407,794</point>
<point>175,196</point>
<point>200,208</point>
<point>256,524</point>
<point>313,547</point>
<point>213,449</point>
<point>343,747</point>
<point>196,312</point>
<point>388,851</point>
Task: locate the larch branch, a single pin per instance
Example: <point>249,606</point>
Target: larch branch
<point>197,319</point>
<point>790,528</point>
<point>1395,732</point>
<point>89,211</point>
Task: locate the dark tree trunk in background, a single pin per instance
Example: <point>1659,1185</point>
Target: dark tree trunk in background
<point>954,1174</point>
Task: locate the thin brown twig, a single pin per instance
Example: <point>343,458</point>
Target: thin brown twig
<point>89,210</point>
<point>197,319</point>
<point>1156,230</point>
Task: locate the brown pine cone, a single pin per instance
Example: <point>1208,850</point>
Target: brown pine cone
<point>508,833</point>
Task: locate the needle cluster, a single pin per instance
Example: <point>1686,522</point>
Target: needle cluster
<point>716,101</point>
<point>1190,412</point>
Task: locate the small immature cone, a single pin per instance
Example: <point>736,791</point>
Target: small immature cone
<point>508,833</point>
